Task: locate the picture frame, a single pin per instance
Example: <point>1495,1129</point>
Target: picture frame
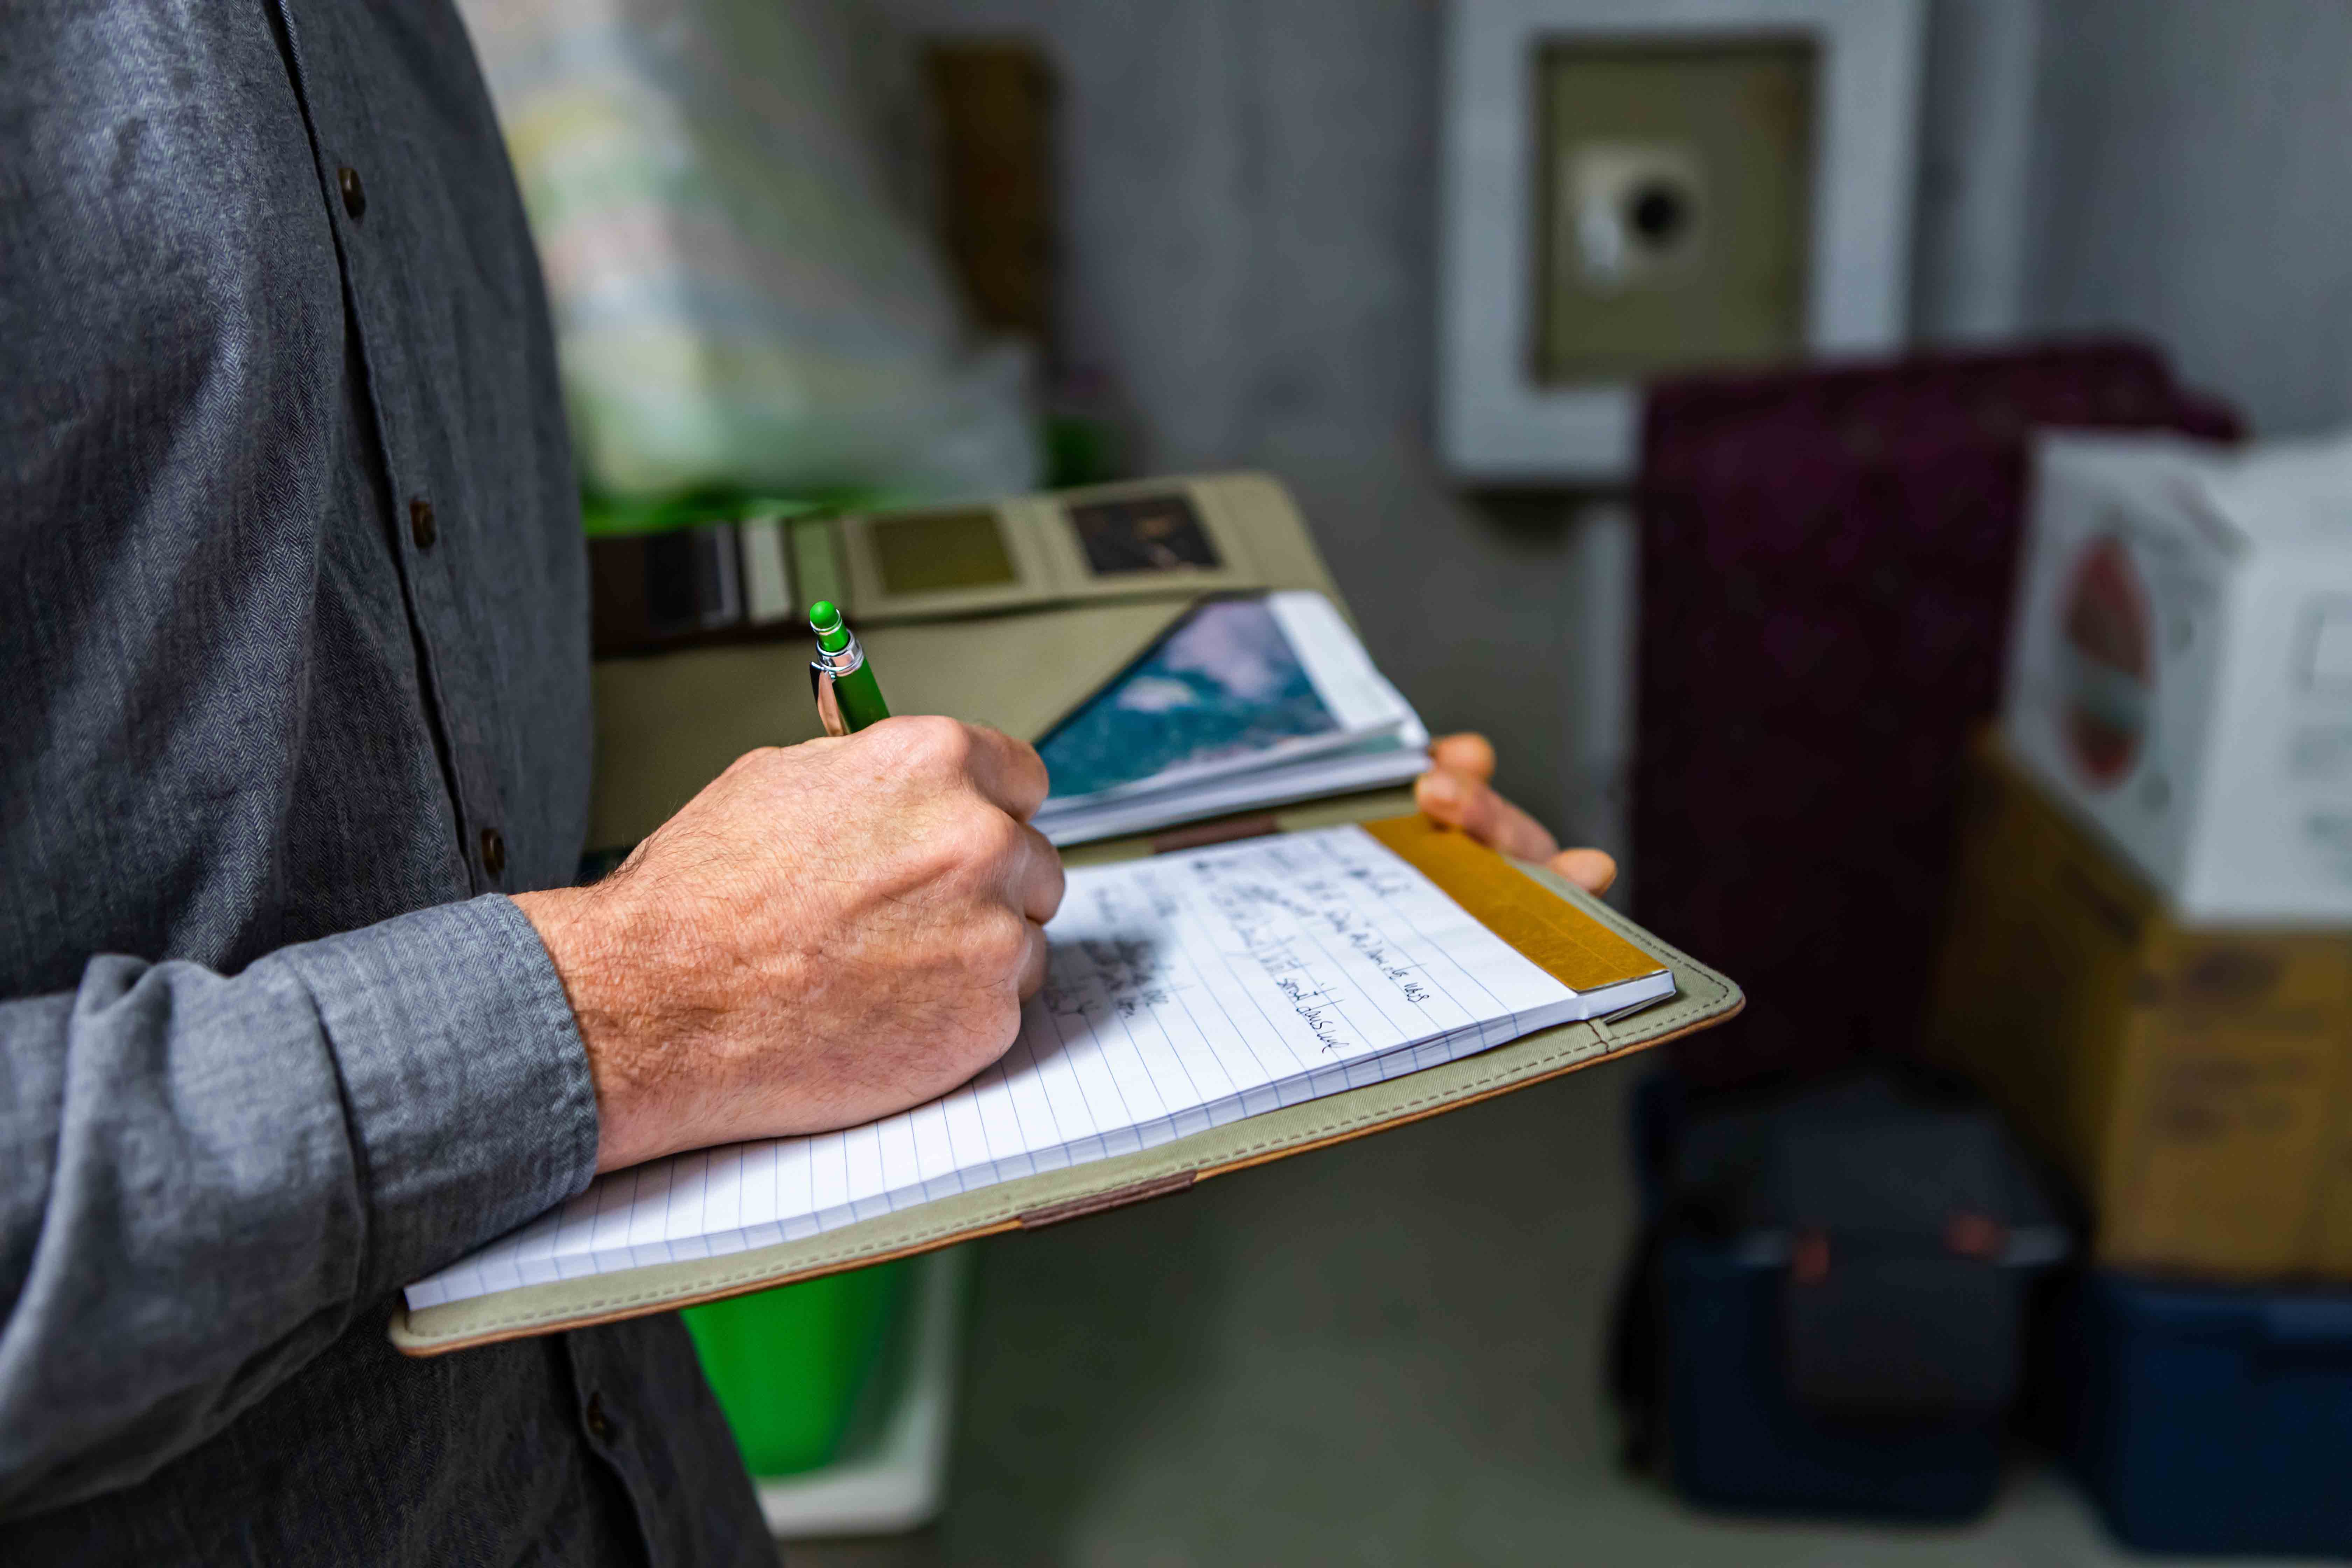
<point>1497,424</point>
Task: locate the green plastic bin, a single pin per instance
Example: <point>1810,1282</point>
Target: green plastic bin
<point>789,1365</point>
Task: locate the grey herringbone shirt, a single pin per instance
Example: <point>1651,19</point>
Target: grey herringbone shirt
<point>293,689</point>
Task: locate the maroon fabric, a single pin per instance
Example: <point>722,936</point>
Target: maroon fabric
<point>1827,561</point>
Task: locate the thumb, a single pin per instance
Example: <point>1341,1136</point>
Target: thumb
<point>1591,869</point>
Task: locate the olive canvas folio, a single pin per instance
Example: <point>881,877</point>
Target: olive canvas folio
<point>1220,995</point>
<point>1011,614</point>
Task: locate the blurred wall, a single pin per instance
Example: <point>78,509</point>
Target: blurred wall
<point>2193,180</point>
<point>1247,251</point>
<point>1975,165</point>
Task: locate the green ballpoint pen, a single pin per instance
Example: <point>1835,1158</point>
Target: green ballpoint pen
<point>840,671</point>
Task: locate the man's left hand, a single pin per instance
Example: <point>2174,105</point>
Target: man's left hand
<point>1458,790</point>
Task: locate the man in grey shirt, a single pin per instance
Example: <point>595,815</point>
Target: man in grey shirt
<point>293,663</point>
<point>295,1005</point>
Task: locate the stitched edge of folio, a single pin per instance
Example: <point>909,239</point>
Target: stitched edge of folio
<point>1599,1041</point>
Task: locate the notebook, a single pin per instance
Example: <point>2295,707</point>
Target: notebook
<point>1245,702</point>
<point>1184,991</point>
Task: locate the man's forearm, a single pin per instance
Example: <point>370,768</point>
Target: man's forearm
<point>203,1176</point>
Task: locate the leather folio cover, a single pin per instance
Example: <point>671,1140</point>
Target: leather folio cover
<point>669,723</point>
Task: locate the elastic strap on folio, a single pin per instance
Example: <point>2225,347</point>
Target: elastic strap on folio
<point>1552,933</point>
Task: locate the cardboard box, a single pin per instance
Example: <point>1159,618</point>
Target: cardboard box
<point>2195,1084</point>
<point>2180,668</point>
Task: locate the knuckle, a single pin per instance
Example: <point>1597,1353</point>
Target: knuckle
<point>999,835</point>
<point>999,941</point>
<point>982,837</point>
<point>1003,1027</point>
<point>756,762</point>
<point>1017,753</point>
<point>938,743</point>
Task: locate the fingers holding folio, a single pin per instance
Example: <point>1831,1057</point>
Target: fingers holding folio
<point>1468,753</point>
<point>1465,802</point>
<point>1456,791</point>
<point>1591,869</point>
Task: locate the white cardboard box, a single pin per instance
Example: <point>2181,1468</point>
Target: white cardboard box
<point>2181,666</point>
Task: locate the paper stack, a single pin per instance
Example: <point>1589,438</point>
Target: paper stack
<point>1246,703</point>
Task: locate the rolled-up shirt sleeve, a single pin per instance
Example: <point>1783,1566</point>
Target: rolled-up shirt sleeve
<point>204,1177</point>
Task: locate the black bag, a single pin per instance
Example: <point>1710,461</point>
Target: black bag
<point>1904,1222</point>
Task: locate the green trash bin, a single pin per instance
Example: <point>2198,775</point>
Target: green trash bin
<point>789,1364</point>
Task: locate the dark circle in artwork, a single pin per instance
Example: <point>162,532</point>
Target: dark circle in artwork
<point>1659,212</point>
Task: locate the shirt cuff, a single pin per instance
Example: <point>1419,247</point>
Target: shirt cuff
<point>464,1079</point>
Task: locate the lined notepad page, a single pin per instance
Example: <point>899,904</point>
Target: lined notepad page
<point>1183,992</point>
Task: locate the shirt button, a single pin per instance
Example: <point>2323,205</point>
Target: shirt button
<point>600,1426</point>
<point>421,527</point>
<point>346,180</point>
<point>494,852</point>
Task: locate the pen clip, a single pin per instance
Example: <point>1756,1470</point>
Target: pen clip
<point>828,705</point>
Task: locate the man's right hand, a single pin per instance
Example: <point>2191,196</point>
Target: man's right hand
<point>827,933</point>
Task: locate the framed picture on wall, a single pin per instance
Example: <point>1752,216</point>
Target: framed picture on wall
<point>1632,188</point>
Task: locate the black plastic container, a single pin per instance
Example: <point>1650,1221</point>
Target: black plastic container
<point>1825,1317</point>
<point>2209,1419</point>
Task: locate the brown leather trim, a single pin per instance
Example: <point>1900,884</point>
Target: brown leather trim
<point>1222,830</point>
<point>1094,1203</point>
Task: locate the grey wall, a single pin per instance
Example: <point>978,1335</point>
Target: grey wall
<point>2193,180</point>
<point>1248,254</point>
<point>1975,167</point>
<point>1247,250</point>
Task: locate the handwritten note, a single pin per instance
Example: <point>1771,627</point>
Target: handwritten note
<point>1183,992</point>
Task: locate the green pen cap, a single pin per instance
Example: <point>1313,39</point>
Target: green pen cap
<point>850,678</point>
<point>825,621</point>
